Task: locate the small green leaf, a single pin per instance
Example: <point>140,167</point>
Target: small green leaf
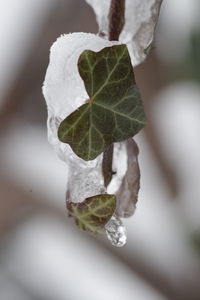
<point>93,213</point>
<point>114,112</point>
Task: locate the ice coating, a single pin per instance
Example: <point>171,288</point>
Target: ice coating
<point>125,182</point>
<point>84,183</point>
<point>127,194</point>
<point>140,19</point>
<point>64,92</point>
<point>64,89</point>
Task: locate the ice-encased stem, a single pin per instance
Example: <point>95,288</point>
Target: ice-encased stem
<point>115,229</point>
<point>116,24</point>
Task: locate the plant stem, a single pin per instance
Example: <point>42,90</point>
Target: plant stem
<point>116,23</point>
<point>116,19</point>
<point>107,165</point>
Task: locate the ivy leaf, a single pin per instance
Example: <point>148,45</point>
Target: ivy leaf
<point>114,111</point>
<point>93,213</point>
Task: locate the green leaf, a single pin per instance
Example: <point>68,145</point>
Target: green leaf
<point>114,111</point>
<point>93,213</point>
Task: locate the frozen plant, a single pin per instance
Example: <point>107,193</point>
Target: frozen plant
<point>94,110</point>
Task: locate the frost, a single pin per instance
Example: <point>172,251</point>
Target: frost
<point>64,92</point>
<point>140,19</point>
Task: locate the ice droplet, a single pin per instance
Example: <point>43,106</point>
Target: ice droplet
<point>116,232</point>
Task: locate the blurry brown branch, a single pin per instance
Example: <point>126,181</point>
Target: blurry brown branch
<point>149,77</point>
<point>25,94</point>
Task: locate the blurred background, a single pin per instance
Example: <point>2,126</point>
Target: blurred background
<point>43,256</point>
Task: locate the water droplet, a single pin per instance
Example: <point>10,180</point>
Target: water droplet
<point>116,232</point>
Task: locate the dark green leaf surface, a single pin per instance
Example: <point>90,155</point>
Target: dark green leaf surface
<point>93,213</point>
<point>114,111</point>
